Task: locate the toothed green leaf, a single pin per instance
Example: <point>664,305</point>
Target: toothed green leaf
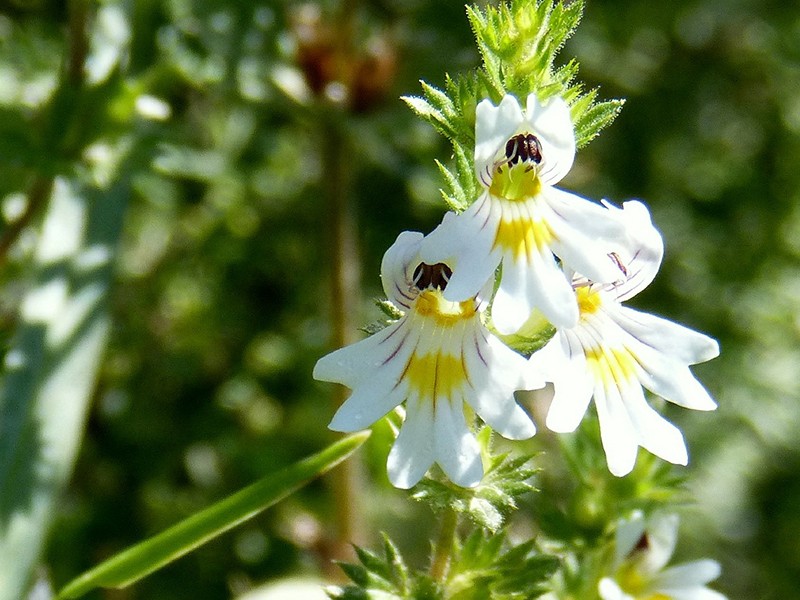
<point>489,503</point>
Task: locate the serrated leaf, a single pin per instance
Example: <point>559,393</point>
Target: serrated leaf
<point>487,567</point>
<point>596,118</point>
<point>357,574</point>
<point>491,500</point>
<point>440,100</point>
<point>372,562</point>
<point>397,566</point>
<point>485,513</point>
<point>388,309</point>
<point>431,114</point>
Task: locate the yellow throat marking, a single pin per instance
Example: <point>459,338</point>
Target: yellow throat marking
<point>515,182</point>
<point>589,301</point>
<point>436,375</point>
<point>439,374</point>
<point>522,236</point>
<point>431,304</point>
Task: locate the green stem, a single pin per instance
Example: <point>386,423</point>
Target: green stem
<point>443,550</point>
<point>345,296</point>
<point>38,194</point>
<point>78,11</point>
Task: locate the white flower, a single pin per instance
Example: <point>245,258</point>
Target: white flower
<point>643,548</point>
<point>435,358</point>
<point>521,220</point>
<point>613,351</point>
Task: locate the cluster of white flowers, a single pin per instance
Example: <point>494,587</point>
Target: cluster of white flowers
<point>547,252</point>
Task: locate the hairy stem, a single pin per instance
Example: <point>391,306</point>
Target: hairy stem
<point>443,550</point>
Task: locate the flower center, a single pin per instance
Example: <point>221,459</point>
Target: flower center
<point>635,584</point>
<point>523,147</point>
<point>515,177</point>
<point>431,303</point>
<point>433,277</point>
<point>589,300</point>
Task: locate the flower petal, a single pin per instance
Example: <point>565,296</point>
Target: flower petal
<point>494,126</point>
<point>656,434</point>
<point>609,590</point>
<point>628,534</point>
<point>582,235</point>
<point>662,534</point>
<point>464,241</point>
<point>455,448</point>
<point>369,402</point>
<point>684,344</point>
<point>359,361</point>
<point>552,125</point>
<point>671,380</point>
<point>495,372</point>
<point>695,593</point>
<point>397,267</point>
<point>413,451</point>
<point>616,431</point>
<point>526,285</point>
<point>692,574</point>
<point>563,362</point>
<point>643,251</point>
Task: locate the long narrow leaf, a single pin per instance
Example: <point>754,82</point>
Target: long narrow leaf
<point>51,366</point>
<point>142,559</point>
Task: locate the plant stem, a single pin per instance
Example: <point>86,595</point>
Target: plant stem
<point>78,41</point>
<point>345,295</point>
<point>443,550</point>
<point>38,195</point>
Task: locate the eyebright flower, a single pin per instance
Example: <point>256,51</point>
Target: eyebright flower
<point>613,351</point>
<point>521,221</point>
<point>438,356</point>
<point>643,548</point>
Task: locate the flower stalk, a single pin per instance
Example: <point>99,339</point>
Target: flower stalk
<point>443,550</point>
<point>344,284</point>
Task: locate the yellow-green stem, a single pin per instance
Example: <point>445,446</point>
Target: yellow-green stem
<point>443,551</point>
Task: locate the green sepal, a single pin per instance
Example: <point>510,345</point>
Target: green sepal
<point>392,313</point>
<point>486,567</point>
<point>532,336</point>
<point>384,578</point>
<point>488,504</point>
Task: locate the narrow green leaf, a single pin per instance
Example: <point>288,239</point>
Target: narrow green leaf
<point>51,365</point>
<point>397,565</point>
<point>372,562</point>
<point>439,99</point>
<point>142,559</point>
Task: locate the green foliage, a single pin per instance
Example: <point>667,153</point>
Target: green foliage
<point>487,567</point>
<point>532,336</point>
<point>391,312</point>
<point>383,577</point>
<point>506,478</point>
<point>518,43</point>
<point>54,358</point>
<point>142,559</point>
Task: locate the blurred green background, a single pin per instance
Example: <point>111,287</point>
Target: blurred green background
<point>251,120</point>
